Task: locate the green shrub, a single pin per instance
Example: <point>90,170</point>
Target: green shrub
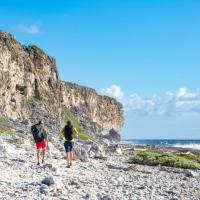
<point>164,159</point>
<point>193,157</point>
<point>3,119</point>
<point>6,132</point>
<point>84,136</point>
<point>36,48</point>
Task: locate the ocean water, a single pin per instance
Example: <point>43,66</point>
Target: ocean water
<point>193,144</point>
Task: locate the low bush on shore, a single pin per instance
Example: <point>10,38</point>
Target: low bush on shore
<point>164,159</point>
<point>193,157</point>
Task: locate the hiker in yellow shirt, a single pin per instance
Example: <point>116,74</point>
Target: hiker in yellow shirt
<point>68,133</point>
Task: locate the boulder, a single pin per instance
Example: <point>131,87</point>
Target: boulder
<point>114,149</point>
<point>49,180</point>
<point>97,150</point>
<point>190,173</point>
<point>44,189</point>
<point>84,155</point>
<point>106,197</point>
<point>103,142</point>
<point>52,181</point>
<point>47,165</point>
<point>113,136</point>
<point>81,153</point>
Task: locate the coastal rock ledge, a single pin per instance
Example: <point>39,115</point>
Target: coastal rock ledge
<point>30,88</point>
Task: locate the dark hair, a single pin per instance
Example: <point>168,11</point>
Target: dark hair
<point>69,123</point>
<point>40,122</point>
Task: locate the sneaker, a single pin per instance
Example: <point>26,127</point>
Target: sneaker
<point>38,163</point>
<point>68,166</point>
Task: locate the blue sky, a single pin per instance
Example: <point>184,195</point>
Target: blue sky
<point>145,53</point>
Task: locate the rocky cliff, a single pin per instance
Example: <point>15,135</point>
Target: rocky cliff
<point>30,88</point>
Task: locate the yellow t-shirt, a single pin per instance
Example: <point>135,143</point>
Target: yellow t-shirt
<point>75,134</point>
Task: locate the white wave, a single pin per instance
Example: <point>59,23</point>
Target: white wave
<point>188,146</point>
<point>126,142</point>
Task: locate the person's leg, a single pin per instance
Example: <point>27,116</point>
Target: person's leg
<point>66,145</point>
<point>43,154</point>
<point>68,158</point>
<point>71,152</point>
<point>43,151</point>
<point>38,156</point>
<point>71,157</point>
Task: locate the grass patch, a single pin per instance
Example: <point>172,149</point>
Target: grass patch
<point>32,101</point>
<point>3,119</point>
<point>164,159</point>
<point>84,136</point>
<point>67,115</point>
<point>192,157</point>
<point>6,132</point>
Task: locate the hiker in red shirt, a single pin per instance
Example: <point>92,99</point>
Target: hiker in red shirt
<point>41,139</point>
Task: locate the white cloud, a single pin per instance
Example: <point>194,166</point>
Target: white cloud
<point>30,29</point>
<point>181,92</point>
<point>181,102</point>
<point>178,103</point>
<point>114,91</point>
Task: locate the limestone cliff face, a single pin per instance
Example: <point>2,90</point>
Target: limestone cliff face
<point>25,73</point>
<point>29,79</point>
<point>98,114</point>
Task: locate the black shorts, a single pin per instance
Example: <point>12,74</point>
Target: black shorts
<point>68,146</point>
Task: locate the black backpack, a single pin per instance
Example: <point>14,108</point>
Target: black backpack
<point>35,133</point>
<point>68,132</point>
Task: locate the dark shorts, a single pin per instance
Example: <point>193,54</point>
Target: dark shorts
<point>68,146</point>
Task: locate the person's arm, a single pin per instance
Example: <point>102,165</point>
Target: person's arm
<point>47,139</point>
<point>75,133</point>
<point>62,132</point>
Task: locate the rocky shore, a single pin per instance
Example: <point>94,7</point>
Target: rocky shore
<point>100,171</point>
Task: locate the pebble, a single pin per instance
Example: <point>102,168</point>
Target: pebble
<point>44,189</point>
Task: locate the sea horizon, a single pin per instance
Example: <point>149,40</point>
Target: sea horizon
<point>157,139</point>
<point>179,143</point>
